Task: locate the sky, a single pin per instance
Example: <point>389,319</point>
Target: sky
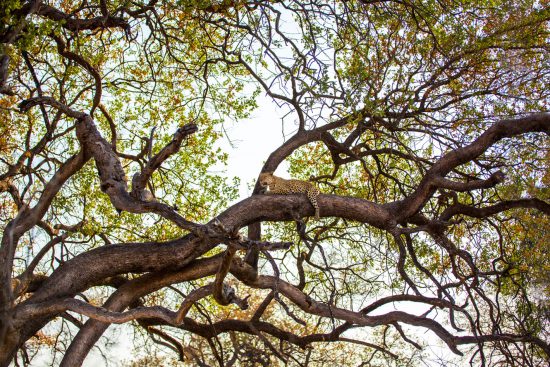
<point>249,143</point>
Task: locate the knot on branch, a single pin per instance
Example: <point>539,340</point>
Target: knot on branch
<point>6,184</point>
<point>223,293</point>
<point>226,295</point>
<point>143,195</point>
<point>108,184</point>
<point>185,130</point>
<point>498,177</point>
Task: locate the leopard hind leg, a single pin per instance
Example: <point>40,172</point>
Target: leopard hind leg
<point>312,196</point>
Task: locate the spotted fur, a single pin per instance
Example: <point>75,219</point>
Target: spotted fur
<point>278,185</point>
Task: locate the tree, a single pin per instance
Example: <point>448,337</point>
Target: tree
<point>424,124</point>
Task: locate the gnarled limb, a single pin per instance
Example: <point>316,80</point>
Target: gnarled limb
<point>112,175</point>
<point>498,131</point>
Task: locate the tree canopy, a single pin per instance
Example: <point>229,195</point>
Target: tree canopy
<point>423,123</point>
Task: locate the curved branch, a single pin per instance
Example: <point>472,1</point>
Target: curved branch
<point>62,49</point>
<point>311,306</point>
<point>503,129</point>
<point>112,175</point>
<point>38,310</point>
<point>128,293</point>
<point>458,209</point>
<point>443,183</point>
<point>73,24</point>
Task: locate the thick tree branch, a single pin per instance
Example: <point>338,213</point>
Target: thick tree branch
<point>498,131</point>
<point>76,25</point>
<point>128,293</point>
<point>112,175</point>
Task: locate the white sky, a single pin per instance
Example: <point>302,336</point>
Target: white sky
<point>252,141</point>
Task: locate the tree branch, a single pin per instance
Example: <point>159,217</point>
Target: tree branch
<point>503,129</point>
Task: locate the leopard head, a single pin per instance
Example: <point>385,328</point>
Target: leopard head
<point>266,179</point>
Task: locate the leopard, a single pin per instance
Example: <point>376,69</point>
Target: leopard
<point>278,185</point>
